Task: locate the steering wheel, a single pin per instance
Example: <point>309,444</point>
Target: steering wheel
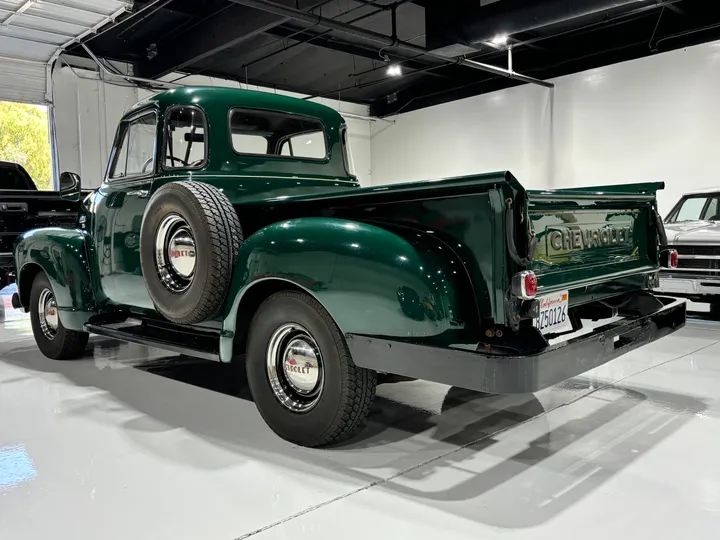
<point>146,164</point>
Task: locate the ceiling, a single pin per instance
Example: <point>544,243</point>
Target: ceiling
<point>549,38</point>
<point>33,30</point>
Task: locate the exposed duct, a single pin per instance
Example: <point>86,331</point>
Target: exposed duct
<point>385,41</point>
<point>466,24</point>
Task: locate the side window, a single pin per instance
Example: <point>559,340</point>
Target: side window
<point>712,212</point>
<point>136,153</point>
<point>185,138</point>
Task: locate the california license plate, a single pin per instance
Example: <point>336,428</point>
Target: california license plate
<point>553,317</point>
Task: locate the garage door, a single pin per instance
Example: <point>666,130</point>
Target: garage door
<point>33,31</point>
<point>22,81</point>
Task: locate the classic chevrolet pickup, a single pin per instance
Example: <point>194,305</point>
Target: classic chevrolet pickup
<point>693,230</point>
<point>230,227</point>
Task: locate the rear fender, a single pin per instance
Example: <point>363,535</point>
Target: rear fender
<point>61,254</point>
<point>396,283</point>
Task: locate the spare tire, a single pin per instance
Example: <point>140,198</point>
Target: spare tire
<point>189,240</point>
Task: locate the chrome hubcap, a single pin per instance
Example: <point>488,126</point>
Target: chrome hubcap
<point>175,254</point>
<point>48,314</point>
<point>294,366</point>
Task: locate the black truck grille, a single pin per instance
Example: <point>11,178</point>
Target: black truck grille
<point>698,250</point>
<point>705,260</point>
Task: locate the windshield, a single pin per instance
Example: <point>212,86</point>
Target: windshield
<point>702,207</point>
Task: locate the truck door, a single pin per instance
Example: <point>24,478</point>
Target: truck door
<point>119,207</point>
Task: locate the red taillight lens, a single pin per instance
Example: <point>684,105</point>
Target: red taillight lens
<point>530,285</point>
<point>673,258</point>
<point>524,285</point>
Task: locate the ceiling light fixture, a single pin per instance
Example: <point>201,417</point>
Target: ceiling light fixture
<point>500,40</point>
<point>394,70</point>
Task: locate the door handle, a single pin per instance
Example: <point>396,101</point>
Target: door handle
<point>140,193</point>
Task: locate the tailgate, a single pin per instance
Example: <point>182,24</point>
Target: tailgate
<point>599,241</point>
<point>21,211</point>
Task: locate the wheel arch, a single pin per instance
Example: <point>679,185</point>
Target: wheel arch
<point>371,279</point>
<point>62,255</point>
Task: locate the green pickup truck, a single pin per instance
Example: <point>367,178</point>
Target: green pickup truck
<point>230,227</point>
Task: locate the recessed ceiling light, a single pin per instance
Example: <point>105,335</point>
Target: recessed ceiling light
<point>394,70</point>
<point>500,40</point>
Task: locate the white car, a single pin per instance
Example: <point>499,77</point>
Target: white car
<point>693,229</point>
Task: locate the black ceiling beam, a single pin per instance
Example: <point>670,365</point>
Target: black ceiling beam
<point>328,42</point>
<point>226,28</point>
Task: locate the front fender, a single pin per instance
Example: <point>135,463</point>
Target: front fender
<point>62,255</point>
<point>373,280</point>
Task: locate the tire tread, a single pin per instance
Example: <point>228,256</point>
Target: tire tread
<point>358,384</point>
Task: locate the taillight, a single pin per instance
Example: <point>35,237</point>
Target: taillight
<point>669,258</point>
<point>524,285</point>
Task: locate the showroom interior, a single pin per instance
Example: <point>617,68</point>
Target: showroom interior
<point>524,155</point>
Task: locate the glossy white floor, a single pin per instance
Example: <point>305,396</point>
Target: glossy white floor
<point>132,443</point>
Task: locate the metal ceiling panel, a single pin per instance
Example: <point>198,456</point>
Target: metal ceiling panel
<point>25,50</point>
<point>35,30</point>
<point>37,36</point>
<point>22,82</point>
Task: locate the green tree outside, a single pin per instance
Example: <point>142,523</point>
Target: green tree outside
<point>24,139</point>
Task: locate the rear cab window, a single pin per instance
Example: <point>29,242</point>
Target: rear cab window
<point>281,135</point>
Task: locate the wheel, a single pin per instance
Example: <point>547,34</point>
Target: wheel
<point>52,338</point>
<point>301,375</point>
<point>189,240</point>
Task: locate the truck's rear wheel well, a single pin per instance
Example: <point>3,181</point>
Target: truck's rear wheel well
<point>249,305</point>
<point>25,279</point>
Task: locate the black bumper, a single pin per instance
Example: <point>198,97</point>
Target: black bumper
<point>518,374</point>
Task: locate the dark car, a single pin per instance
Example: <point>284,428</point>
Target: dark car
<point>24,207</point>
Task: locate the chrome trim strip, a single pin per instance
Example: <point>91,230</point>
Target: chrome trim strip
<point>708,270</point>
<point>705,257</point>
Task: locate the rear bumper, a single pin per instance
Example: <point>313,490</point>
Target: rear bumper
<point>518,374</point>
<point>688,286</point>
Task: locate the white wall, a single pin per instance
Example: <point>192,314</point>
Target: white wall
<point>651,119</point>
<point>87,111</point>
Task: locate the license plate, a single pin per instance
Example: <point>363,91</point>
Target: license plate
<point>553,317</point>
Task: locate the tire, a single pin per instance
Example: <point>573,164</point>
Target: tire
<point>52,338</point>
<point>340,402</point>
<point>198,235</point>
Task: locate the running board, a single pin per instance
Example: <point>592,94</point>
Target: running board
<point>169,337</point>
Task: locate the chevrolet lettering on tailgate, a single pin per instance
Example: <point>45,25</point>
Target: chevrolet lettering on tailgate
<point>565,238</point>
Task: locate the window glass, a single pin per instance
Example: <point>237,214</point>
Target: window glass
<point>690,209</point>
<point>185,144</point>
<point>347,154</point>
<point>12,179</point>
<point>277,134</point>
<point>712,212</point>
<point>136,154</point>
<point>249,144</point>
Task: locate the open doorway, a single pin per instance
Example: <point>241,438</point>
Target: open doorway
<point>25,139</point>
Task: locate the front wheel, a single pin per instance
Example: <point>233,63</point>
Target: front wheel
<point>52,338</point>
<point>301,374</point>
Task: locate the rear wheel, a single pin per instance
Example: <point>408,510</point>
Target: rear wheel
<point>301,375</point>
<point>52,338</point>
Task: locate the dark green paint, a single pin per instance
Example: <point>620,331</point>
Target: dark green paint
<point>62,255</point>
<point>424,262</point>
